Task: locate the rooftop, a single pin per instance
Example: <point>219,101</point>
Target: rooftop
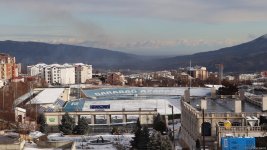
<point>146,91</point>
<point>224,105</point>
<point>47,96</point>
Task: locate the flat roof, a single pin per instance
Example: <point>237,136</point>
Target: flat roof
<point>47,96</point>
<point>224,105</point>
<point>161,104</point>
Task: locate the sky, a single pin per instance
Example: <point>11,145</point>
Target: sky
<point>144,27</point>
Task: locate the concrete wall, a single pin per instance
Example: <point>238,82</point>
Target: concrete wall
<point>20,112</point>
<point>65,94</point>
<point>146,119</point>
<point>55,144</point>
<point>264,103</point>
<point>15,146</point>
<point>73,147</point>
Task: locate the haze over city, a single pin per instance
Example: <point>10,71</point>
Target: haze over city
<point>145,27</point>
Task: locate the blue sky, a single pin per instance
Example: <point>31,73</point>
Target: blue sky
<point>148,27</point>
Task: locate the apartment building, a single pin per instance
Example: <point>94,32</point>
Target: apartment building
<point>198,72</point>
<point>62,74</point>
<point>83,72</point>
<point>8,67</point>
<point>116,78</point>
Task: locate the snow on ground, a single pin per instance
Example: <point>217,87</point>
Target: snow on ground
<point>97,147</point>
<point>35,134</point>
<point>123,139</point>
<point>33,146</point>
<point>82,142</point>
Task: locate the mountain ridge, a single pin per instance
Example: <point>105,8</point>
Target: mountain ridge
<point>245,57</point>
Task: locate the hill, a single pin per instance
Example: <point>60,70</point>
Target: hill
<point>246,57</point>
<point>29,53</point>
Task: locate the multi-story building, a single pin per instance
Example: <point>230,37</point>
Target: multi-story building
<point>36,70</point>
<point>59,74</point>
<point>264,74</point>
<point>209,121</point>
<point>163,74</point>
<point>116,78</point>
<point>243,77</point>
<point>83,72</point>
<point>198,72</point>
<point>8,67</point>
<point>62,74</point>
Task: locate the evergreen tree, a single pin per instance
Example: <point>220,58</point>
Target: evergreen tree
<point>141,139</point>
<point>144,140</point>
<point>138,124</point>
<point>82,127</point>
<point>136,138</point>
<point>67,124</point>
<point>159,124</point>
<point>42,122</point>
<point>159,142</point>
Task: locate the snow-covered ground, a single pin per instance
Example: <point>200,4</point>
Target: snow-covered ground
<point>82,142</point>
<point>33,146</point>
<point>123,139</point>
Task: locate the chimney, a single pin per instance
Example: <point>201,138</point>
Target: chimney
<point>187,95</point>
<point>238,106</point>
<point>213,92</point>
<point>264,103</point>
<point>203,104</point>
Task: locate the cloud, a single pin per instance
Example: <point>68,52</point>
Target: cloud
<point>155,46</point>
<point>73,29</point>
<point>206,11</point>
<point>58,13</point>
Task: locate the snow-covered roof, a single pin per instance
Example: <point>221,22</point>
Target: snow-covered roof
<point>47,96</point>
<point>211,85</point>
<point>162,105</point>
<point>40,65</point>
<point>150,91</point>
<point>79,64</point>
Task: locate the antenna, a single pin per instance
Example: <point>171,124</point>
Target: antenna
<point>220,67</point>
<point>190,76</point>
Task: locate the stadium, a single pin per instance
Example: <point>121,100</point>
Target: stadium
<point>122,106</point>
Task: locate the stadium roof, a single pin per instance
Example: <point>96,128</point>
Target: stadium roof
<point>161,104</point>
<point>47,96</point>
<point>146,91</point>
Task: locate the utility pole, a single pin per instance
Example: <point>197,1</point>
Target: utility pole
<point>172,127</point>
<point>202,127</point>
<point>3,97</point>
<point>190,82</point>
<point>220,72</point>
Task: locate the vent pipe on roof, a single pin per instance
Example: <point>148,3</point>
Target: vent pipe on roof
<point>238,106</point>
<point>187,95</point>
<point>213,92</point>
<point>264,103</point>
<point>203,104</point>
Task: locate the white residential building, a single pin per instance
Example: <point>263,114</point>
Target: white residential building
<point>35,70</point>
<point>243,77</point>
<point>62,74</point>
<point>67,74</point>
<point>230,78</point>
<point>83,72</point>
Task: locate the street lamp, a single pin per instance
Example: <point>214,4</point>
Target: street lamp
<point>172,125</point>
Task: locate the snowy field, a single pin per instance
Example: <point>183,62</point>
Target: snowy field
<point>82,142</point>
